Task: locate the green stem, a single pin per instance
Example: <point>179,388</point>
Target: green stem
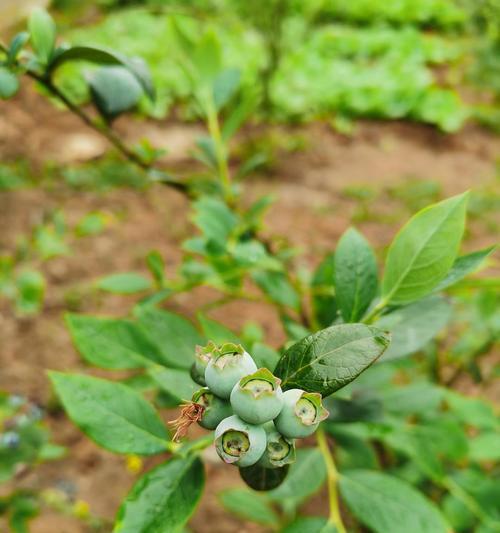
<point>375,312</point>
<point>335,517</point>
<point>220,149</point>
<point>105,131</point>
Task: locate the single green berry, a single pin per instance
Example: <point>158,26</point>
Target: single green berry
<point>203,355</point>
<point>257,398</point>
<point>227,365</point>
<point>301,414</point>
<point>215,409</point>
<point>280,450</point>
<point>238,442</point>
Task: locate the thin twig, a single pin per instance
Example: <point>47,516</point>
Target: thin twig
<point>335,517</point>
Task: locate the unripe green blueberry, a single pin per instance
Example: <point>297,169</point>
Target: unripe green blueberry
<point>228,364</point>
<point>203,355</point>
<point>301,414</point>
<point>257,398</point>
<point>280,450</point>
<point>215,411</point>
<point>238,442</point>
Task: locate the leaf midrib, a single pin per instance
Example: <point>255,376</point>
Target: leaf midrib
<point>313,361</point>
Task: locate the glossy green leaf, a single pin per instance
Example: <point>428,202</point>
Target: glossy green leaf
<point>176,383</point>
<point>175,337</point>
<point>163,499</point>
<point>323,292</point>
<point>111,343</point>
<point>356,280</point>
<point>424,250</point>
<point>124,283</point>
<point>113,415</point>
<point>330,359</point>
<point>305,477</point>
<point>463,266</point>
<point>413,326</point>
<point>43,34</point>
<point>114,90</point>
<point>249,505</point>
<point>9,84</point>
<point>386,504</point>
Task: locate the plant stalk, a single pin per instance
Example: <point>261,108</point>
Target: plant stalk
<point>335,517</point>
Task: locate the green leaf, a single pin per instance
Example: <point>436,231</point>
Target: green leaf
<point>16,45</point>
<point>9,84</point>
<point>386,504</point>
<point>43,34</point>
<point>124,283</point>
<point>111,343</point>
<point>485,447</point>
<point>249,505</point>
<point>30,286</point>
<point>102,56</point>
<point>215,331</point>
<point>156,266</point>
<point>114,90</point>
<point>207,58</point>
<point>463,266</point>
<point>309,524</point>
<point>264,356</point>
<point>305,477</point>
<point>323,292</point>
<point>423,251</point>
<point>176,383</point>
<point>163,499</point>
<point>225,86</point>
<point>214,219</point>
<point>330,359</point>
<point>113,415</point>
<point>413,326</point>
<point>355,275</point>
<point>277,287</point>
<point>174,336</point>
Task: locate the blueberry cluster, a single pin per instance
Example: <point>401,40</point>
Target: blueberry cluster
<point>254,420</point>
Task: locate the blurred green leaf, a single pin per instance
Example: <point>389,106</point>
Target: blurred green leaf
<point>249,505</point>
<point>124,283</point>
<point>388,505</point>
<point>43,34</point>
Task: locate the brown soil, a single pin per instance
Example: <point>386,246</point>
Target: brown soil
<point>313,188</point>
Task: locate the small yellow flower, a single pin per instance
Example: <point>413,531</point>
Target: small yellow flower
<point>134,464</point>
<point>81,509</point>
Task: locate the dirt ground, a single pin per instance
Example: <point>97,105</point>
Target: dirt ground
<point>316,189</point>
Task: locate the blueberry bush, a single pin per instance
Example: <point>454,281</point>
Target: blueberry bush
<point>340,403</point>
